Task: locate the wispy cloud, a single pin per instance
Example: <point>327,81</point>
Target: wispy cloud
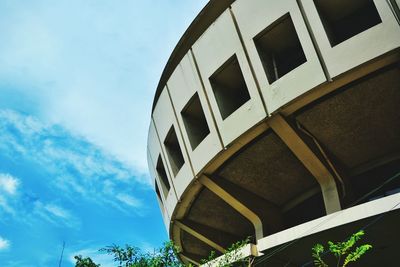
<point>4,243</point>
<point>75,166</point>
<point>8,192</point>
<point>55,214</point>
<point>130,200</point>
<point>12,202</point>
<point>94,74</point>
<point>8,184</point>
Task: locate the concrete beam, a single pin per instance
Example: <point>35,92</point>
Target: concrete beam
<point>310,160</point>
<point>233,200</point>
<point>228,237</point>
<point>342,80</point>
<point>201,235</point>
<point>190,258</point>
<point>175,236</point>
<point>249,250</point>
<point>346,216</point>
<point>269,213</point>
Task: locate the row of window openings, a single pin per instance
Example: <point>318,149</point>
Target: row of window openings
<point>176,161</point>
<point>280,52</point>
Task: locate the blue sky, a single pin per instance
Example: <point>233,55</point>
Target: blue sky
<point>77,78</point>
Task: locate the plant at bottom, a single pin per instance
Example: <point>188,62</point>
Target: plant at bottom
<point>341,251</point>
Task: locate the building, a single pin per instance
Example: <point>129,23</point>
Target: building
<point>280,120</point>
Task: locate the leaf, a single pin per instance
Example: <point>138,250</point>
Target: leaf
<point>355,255</point>
<point>340,249</point>
<point>317,250</point>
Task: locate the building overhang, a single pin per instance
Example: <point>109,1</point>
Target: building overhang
<point>378,218</point>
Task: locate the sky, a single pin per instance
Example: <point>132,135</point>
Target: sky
<point>77,79</point>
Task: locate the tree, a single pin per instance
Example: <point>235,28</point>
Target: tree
<point>130,256</point>
<point>166,256</point>
<point>85,262</point>
<point>341,251</point>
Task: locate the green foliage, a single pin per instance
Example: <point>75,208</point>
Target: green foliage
<point>84,262</point>
<point>317,251</point>
<point>130,256</point>
<point>133,257</point>
<point>165,256</point>
<point>212,256</point>
<point>341,250</point>
<point>127,256</point>
<point>354,256</point>
<point>232,256</point>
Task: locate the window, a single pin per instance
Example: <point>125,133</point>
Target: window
<point>229,87</point>
<point>174,151</point>
<point>343,19</point>
<point>195,121</point>
<point>162,175</point>
<point>279,48</point>
<point>158,193</point>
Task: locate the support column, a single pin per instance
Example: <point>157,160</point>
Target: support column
<point>191,258</point>
<point>310,160</point>
<point>235,201</point>
<point>201,235</point>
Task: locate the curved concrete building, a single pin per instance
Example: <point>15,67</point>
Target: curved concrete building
<point>280,120</point>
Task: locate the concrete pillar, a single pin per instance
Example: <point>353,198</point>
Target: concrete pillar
<point>310,160</point>
<point>237,199</point>
<point>199,234</point>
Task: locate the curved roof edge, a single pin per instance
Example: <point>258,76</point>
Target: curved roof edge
<point>203,20</point>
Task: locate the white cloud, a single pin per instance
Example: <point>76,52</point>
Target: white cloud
<point>25,124</point>
<point>4,243</point>
<point>57,211</point>
<point>94,74</point>
<point>8,184</point>
<point>5,205</point>
<point>55,214</point>
<point>75,166</point>
<point>129,200</point>
<point>8,192</point>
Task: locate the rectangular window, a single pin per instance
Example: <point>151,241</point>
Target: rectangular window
<point>195,121</point>
<point>162,175</point>
<point>158,193</point>
<point>343,19</point>
<point>229,87</point>
<point>279,48</point>
<point>174,151</point>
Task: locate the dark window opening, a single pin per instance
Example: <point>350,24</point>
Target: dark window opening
<point>376,183</point>
<point>162,175</point>
<point>310,209</point>
<point>174,151</point>
<point>158,193</point>
<point>195,121</point>
<point>343,19</point>
<point>279,48</point>
<point>229,86</point>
